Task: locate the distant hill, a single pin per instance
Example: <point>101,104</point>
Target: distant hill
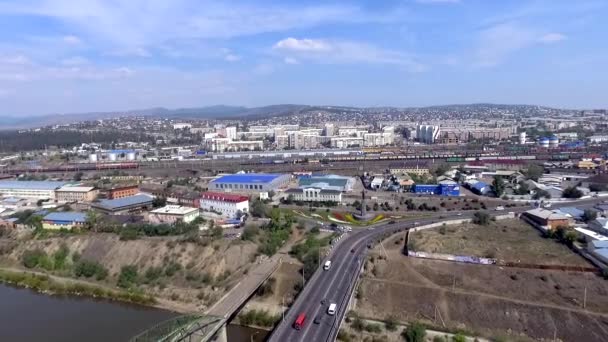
<point>224,112</point>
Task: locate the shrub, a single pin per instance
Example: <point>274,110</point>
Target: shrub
<point>459,338</point>
<point>88,268</point>
<point>31,259</point>
<point>152,274</point>
<point>127,277</point>
<point>172,268</point>
<point>415,332</point>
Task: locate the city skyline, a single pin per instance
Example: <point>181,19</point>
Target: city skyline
<point>56,56</point>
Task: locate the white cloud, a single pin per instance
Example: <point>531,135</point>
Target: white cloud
<point>131,52</point>
<point>151,22</point>
<point>345,52</point>
<point>290,60</point>
<point>14,59</point>
<point>73,40</point>
<point>232,58</point>
<point>263,69</point>
<point>303,45</point>
<point>438,1</point>
<point>498,42</point>
<point>76,60</point>
<point>552,38</point>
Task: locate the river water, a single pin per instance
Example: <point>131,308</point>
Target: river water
<point>27,316</point>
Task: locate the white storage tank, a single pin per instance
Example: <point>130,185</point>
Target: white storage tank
<point>93,158</point>
<point>131,156</point>
<point>112,156</point>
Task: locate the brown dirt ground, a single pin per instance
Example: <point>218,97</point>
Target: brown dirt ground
<point>509,240</point>
<point>233,257</point>
<point>492,301</point>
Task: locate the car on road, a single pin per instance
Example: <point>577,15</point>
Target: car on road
<point>327,265</point>
<point>332,309</point>
<point>352,250</point>
<point>391,222</point>
<point>299,323</point>
<point>317,320</point>
<point>500,208</point>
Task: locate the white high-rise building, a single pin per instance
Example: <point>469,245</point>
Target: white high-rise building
<point>328,130</point>
<point>231,133</point>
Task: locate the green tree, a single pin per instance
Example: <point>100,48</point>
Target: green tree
<point>572,192</point>
<point>258,208</point>
<point>522,189</point>
<point>127,277</point>
<point>415,332</point>
<point>534,172</point>
<point>390,323</point>
<point>481,218</point>
<point>459,338</point>
<point>92,220</point>
<point>589,215</point>
<point>498,186</point>
<point>60,256</point>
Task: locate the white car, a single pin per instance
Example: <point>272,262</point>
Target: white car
<point>500,208</point>
<point>327,265</point>
<point>332,309</point>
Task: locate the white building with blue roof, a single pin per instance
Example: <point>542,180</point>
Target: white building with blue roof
<point>64,220</point>
<point>249,182</point>
<point>30,189</point>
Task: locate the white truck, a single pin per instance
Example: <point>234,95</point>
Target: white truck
<point>327,265</point>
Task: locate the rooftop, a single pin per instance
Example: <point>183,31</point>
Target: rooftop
<point>31,185</point>
<point>220,196</point>
<point>248,178</point>
<point>66,217</point>
<point>546,214</point>
<point>124,202</point>
<point>174,210</point>
<point>76,189</point>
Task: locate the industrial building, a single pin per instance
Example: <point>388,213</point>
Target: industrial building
<point>546,219</point>
<point>30,189</point>
<point>443,189</point>
<point>408,169</point>
<point>228,205</point>
<point>122,191</point>
<point>76,194</point>
<point>64,220</point>
<point>124,205</point>
<point>249,182</point>
<point>315,195</point>
<point>327,182</point>
<point>173,213</point>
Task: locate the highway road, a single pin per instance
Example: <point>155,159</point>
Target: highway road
<point>336,284</point>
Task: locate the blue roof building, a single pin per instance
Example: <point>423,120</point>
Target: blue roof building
<point>249,182</point>
<point>573,212</point>
<point>63,220</point>
<point>124,204</point>
<point>445,189</point>
<point>480,188</point>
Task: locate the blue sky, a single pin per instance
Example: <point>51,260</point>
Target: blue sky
<point>61,56</point>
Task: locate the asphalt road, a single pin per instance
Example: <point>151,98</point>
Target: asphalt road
<point>335,285</point>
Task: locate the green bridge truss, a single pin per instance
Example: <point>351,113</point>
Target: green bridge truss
<point>187,328</point>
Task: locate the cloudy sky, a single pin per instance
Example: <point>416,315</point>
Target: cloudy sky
<point>97,55</point>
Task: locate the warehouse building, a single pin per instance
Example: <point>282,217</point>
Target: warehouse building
<point>30,189</point>
<point>76,194</point>
<point>124,205</point>
<point>64,220</point>
<point>249,182</point>
<point>315,195</point>
<point>546,219</point>
<point>173,213</point>
<point>443,189</point>
<point>327,182</point>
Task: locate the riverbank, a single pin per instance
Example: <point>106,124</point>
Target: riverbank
<point>53,285</point>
